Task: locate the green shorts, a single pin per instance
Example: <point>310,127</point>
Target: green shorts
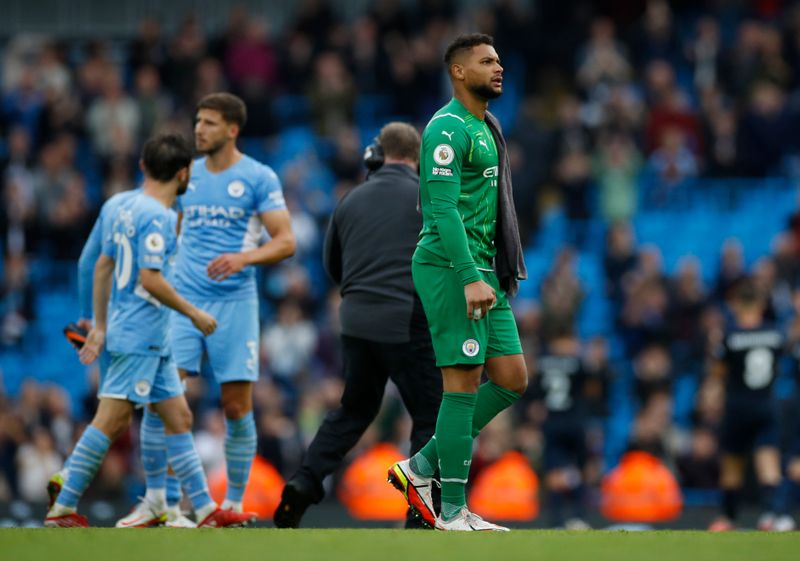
<point>456,338</point>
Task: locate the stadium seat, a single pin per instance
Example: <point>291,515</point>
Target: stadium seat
<point>363,489</point>
<point>506,490</point>
<point>640,489</point>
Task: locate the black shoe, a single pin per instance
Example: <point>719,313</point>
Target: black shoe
<point>292,507</point>
<point>415,522</point>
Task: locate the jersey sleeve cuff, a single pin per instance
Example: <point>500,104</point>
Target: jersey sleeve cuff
<point>468,274</point>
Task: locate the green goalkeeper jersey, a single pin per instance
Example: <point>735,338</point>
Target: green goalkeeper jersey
<point>458,193</point>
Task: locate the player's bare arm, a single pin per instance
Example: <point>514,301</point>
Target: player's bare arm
<point>101,292</point>
<point>280,246</point>
<point>155,283</point>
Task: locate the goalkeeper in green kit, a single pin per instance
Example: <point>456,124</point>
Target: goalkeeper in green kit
<point>468,259</point>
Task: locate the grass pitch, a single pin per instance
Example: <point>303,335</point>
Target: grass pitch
<point>388,545</point>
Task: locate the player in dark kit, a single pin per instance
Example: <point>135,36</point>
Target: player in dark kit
<point>789,494</point>
<point>561,387</point>
<point>746,363</point>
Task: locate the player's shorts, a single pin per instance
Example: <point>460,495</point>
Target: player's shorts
<point>745,428</point>
<point>456,338</point>
<point>564,445</point>
<point>141,379</point>
<point>103,362</point>
<point>232,349</point>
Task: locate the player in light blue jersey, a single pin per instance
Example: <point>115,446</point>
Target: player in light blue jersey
<point>91,251</point>
<point>89,254</point>
<point>150,439</point>
<point>230,198</point>
<point>141,371</point>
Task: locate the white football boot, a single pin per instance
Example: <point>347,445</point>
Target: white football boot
<point>177,519</point>
<point>466,521</point>
<point>143,515</point>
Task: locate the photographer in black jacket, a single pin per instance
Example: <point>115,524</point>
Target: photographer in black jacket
<point>368,247</point>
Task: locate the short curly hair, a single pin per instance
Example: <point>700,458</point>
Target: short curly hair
<point>465,42</point>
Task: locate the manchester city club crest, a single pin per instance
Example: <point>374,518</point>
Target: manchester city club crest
<point>142,388</point>
<point>236,189</point>
<point>470,347</point>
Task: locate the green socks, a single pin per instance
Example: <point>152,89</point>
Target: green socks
<point>486,404</point>
<point>451,448</point>
<point>454,447</point>
<point>491,400</point>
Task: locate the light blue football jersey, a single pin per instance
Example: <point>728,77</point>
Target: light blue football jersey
<point>94,245</point>
<point>143,236</point>
<point>221,215</point>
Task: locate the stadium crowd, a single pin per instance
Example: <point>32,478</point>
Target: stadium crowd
<point>622,109</point>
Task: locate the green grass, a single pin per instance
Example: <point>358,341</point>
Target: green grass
<point>386,545</point>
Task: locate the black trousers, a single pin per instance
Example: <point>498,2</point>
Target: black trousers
<point>368,365</point>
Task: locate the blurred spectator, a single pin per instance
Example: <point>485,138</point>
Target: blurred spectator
<point>148,48</point>
<point>530,136</point>
<point>644,316</point>
<point>687,302</point>
<point>58,418</point>
<point>295,60</point>
<point>763,131</point>
<point>698,467</point>
<point>36,462</point>
<point>773,68</point>
<point>562,295</point>
<point>185,53</point>
<point>153,104</point>
<point>368,57</point>
<point>602,61</point>
<point>600,373</point>
<point>12,436</point>
<point>250,60</point>
<point>704,52</point>
<point>671,165</point>
<point>252,67</point>
<point>573,167</point>
<point>619,259</point>
<point>669,110</point>
<point>23,104</point>
<point>331,94</point>
<point>651,427</point>
<point>114,120</point>
<point>119,177</point>
<point>210,78</point>
<point>288,346</point>
<point>741,61</point>
<point>656,38</point>
<point>347,162</point>
<point>92,73</point>
<point>721,141</point>
<point>61,114</point>
<point>52,73</point>
<point>17,303</point>
<point>18,213</point>
<point>653,369</point>
<point>616,167</point>
<point>731,269</point>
